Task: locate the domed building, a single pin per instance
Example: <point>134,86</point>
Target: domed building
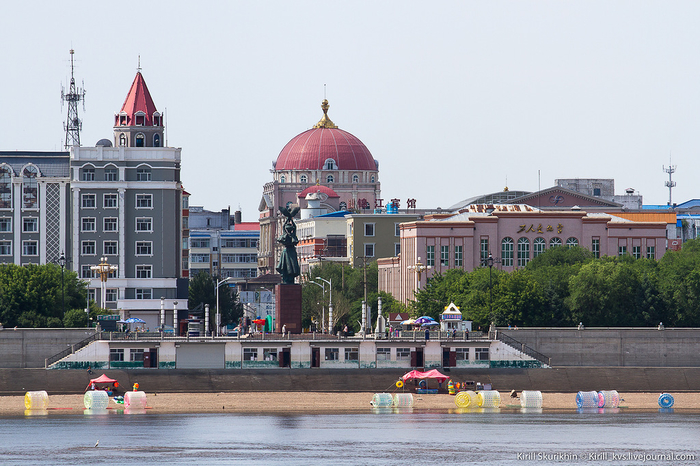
<point>325,156</point>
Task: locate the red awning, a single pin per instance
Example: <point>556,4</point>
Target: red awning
<point>102,379</point>
<point>431,374</point>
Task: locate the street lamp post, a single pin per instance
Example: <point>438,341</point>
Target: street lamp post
<point>488,262</point>
<point>330,303</point>
<point>218,314</point>
<point>419,268</point>
<point>103,269</point>
<point>62,263</point>
<point>323,305</point>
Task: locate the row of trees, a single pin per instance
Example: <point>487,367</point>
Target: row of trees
<point>33,296</point>
<point>565,286</point>
<point>348,294</point>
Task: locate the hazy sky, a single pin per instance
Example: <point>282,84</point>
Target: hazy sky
<point>452,98</point>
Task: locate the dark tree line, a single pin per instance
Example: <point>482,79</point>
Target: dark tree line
<point>565,286</point>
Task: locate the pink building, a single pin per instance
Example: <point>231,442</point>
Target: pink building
<point>514,234</point>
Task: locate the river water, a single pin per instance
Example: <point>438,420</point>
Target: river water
<point>505,437</point>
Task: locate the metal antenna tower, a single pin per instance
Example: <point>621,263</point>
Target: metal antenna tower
<point>670,184</point>
<point>72,125</point>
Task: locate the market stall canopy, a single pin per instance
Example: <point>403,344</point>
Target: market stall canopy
<point>134,320</point>
<point>408,322</point>
<point>102,379</point>
<point>424,320</point>
<point>431,374</point>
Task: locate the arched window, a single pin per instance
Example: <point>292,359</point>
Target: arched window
<point>343,206</point>
<point>571,242</point>
<point>143,173</point>
<point>303,178</point>
<point>5,187</point>
<point>330,164</point>
<point>156,119</point>
<point>371,179</point>
<point>139,140</point>
<point>156,140</point>
<point>507,252</point>
<point>111,173</point>
<point>523,252</point>
<point>282,179</point>
<point>330,179</point>
<point>355,178</point>
<point>122,140</point>
<point>538,247</point>
<point>30,187</point>
<point>140,118</point>
<point>554,242</point>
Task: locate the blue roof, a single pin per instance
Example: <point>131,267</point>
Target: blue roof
<point>340,213</point>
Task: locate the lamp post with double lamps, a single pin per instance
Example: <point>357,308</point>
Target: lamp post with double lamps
<point>330,303</point>
<point>323,304</point>
<point>103,269</point>
<point>218,314</point>
<point>419,268</point>
<point>62,263</point>
<point>488,262</point>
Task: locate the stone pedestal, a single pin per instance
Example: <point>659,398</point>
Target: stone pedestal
<point>288,307</point>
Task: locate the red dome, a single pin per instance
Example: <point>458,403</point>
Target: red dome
<point>317,189</point>
<point>311,149</point>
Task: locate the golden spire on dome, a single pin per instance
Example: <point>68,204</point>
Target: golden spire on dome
<point>325,122</point>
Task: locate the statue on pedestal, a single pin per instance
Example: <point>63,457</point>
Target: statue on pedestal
<point>288,265</point>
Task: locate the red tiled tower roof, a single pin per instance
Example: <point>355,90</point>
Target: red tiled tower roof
<point>139,100</point>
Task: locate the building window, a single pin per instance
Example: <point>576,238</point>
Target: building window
<point>30,224</point>
<point>122,140</point>
<point>109,248</point>
<point>355,179</point>
<point>371,179</point>
<point>459,255</point>
<point>199,258</point>
<point>185,263</point>
<point>5,224</point>
<point>144,293</point>
<point>571,242</point>
<point>596,191</point>
<point>651,252</point>
<point>88,248</point>
<point>351,354</point>
<point>383,354</point>
<point>250,354</point>
<point>523,252</point>
<point>445,256</point>
<point>140,118</point>
<point>430,256</point>
<point>369,249</point>
<point>484,249</point>
<point>397,229</point>
<point>5,188</point>
<point>156,140</point>
<point>302,179</point>
<point>116,354</point>
<point>403,354</point>
<point>538,247</point>
<point>111,174</point>
<point>554,242</point>
<point>88,224</point>
<point>144,224</point>
<point>136,355</point>
<point>5,248</point>
<point>330,164</point>
<point>595,247</point>
<point>200,243</point>
<point>111,295</point>
<point>109,201</point>
<point>87,174</point>
<point>143,271</point>
<point>143,174</point>
<point>87,272</point>
<point>30,248</point>
<point>636,252</point>
<point>144,201</point>
<point>88,201</point>
<point>481,354</point>
<point>507,252</point>
<point>330,179</point>
<point>369,229</point>
<point>144,248</point>
<point>156,119</point>
<point>282,179</point>
<point>621,250</point>
<point>332,354</point>
<point>30,188</point>
<point>110,224</point>
<point>462,354</point>
<point>140,139</point>
<point>270,354</point>
<point>397,249</point>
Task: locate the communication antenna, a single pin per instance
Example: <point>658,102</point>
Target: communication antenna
<point>73,124</point>
<point>670,184</point>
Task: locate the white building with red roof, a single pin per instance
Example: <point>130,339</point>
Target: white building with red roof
<point>325,160</point>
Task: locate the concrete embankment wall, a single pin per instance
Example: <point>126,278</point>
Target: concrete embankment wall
<point>638,347</point>
<point>563,379</point>
<point>29,347</point>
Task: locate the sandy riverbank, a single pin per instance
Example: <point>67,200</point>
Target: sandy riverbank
<point>255,402</point>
